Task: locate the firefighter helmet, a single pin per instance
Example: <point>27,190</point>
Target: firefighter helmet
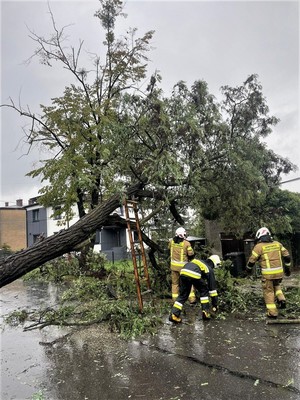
<point>216,260</point>
<point>262,232</point>
<point>181,232</point>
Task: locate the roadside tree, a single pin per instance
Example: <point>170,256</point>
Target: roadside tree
<point>185,151</point>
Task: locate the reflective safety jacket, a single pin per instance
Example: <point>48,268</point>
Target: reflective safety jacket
<point>198,269</point>
<point>180,251</point>
<point>270,256</point>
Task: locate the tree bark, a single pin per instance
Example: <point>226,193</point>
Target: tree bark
<point>22,262</point>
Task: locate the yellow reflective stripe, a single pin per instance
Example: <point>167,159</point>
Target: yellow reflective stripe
<point>268,248</point>
<point>270,271</point>
<point>189,273</point>
<point>204,269</point>
<point>278,292</point>
<point>174,296</point>
<point>177,246</point>
<point>266,260</point>
<point>271,306</point>
<point>213,293</point>
<point>181,254</point>
<point>201,265</point>
<point>177,305</point>
<point>254,254</point>
<point>271,247</point>
<point>178,263</point>
<point>172,248</point>
<point>204,300</point>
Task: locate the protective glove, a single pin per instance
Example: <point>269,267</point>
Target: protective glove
<point>287,270</point>
<point>214,304</point>
<point>248,271</point>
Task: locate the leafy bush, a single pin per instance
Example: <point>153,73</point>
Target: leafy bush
<point>232,293</point>
<point>56,270</point>
<point>85,289</point>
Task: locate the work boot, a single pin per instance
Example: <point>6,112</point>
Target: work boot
<point>272,316</point>
<point>174,318</point>
<point>193,301</point>
<point>282,304</point>
<point>205,315</point>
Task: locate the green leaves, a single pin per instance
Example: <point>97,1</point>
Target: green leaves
<point>104,133</point>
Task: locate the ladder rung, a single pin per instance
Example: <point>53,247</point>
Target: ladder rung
<point>131,203</point>
<point>138,270</point>
<point>146,291</point>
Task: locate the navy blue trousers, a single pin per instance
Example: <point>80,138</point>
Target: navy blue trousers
<point>185,284</point>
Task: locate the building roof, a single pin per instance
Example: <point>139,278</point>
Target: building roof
<point>12,208</point>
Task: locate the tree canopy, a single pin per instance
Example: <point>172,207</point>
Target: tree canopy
<point>187,150</point>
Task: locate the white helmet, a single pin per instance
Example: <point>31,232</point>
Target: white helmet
<point>262,232</point>
<point>216,260</point>
<point>181,232</point>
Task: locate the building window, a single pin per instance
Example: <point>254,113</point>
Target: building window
<point>35,238</point>
<point>57,213</point>
<point>35,215</point>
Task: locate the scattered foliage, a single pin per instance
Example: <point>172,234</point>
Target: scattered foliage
<point>16,317</point>
<point>111,297</point>
<point>57,270</point>
<point>38,396</point>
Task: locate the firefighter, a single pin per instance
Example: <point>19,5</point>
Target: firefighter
<point>274,260</point>
<point>200,274</point>
<point>181,252</point>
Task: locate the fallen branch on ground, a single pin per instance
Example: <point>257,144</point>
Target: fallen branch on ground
<point>283,321</point>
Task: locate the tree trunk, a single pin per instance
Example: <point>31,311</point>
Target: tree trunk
<point>22,262</point>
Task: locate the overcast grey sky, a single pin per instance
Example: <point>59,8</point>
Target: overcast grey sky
<point>221,42</point>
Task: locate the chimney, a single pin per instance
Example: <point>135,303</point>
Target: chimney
<point>19,203</point>
<point>33,200</point>
<point>6,204</point>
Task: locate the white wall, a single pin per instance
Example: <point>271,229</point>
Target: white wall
<point>54,226</point>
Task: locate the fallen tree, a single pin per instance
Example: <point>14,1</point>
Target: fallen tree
<point>22,262</point>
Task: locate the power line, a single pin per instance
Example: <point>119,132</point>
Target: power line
<point>290,180</point>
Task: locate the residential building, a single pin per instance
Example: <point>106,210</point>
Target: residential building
<point>41,222</point>
<point>111,240</point>
<point>13,226</point>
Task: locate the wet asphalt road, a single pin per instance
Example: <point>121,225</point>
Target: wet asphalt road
<point>220,359</point>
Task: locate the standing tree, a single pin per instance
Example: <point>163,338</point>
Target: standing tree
<point>195,157</point>
<point>80,128</point>
<point>183,151</point>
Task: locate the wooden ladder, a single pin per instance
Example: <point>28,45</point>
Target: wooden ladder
<point>131,204</point>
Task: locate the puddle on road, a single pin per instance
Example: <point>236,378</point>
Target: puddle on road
<point>24,364</point>
<point>191,361</point>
